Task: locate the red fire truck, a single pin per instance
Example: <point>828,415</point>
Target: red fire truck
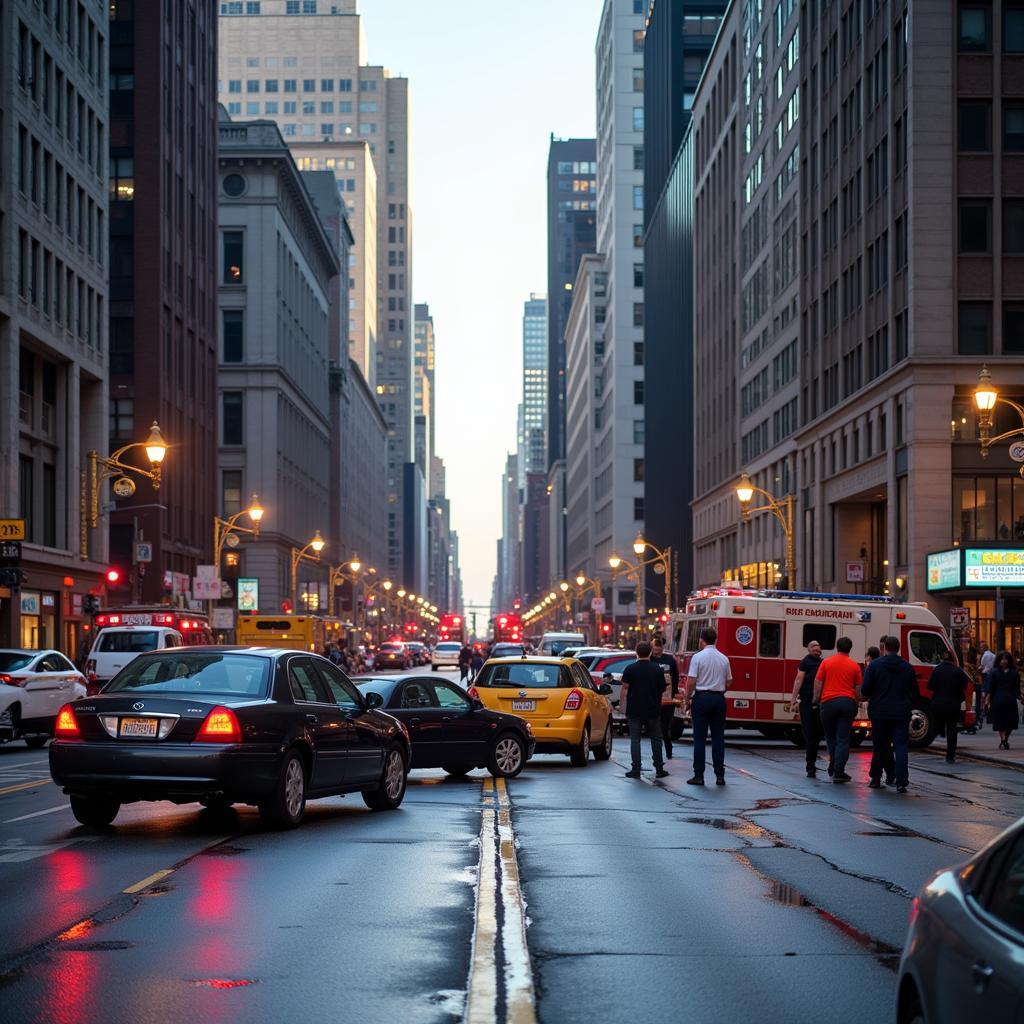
<point>452,627</point>
<point>765,633</point>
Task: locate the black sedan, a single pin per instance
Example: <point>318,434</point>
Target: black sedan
<point>224,725</point>
<point>449,729</point>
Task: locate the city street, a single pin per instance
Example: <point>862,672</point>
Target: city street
<point>642,900</point>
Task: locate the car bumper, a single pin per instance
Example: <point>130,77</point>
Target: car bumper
<point>556,736</point>
<point>179,772</point>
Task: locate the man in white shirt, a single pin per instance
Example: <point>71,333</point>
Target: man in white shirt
<point>707,679</point>
<point>985,665</point>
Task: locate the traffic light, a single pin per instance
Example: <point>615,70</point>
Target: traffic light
<point>286,606</point>
<point>606,628</point>
<point>90,604</point>
<point>113,577</point>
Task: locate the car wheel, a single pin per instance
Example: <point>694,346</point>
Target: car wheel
<point>286,806</point>
<point>922,728</point>
<point>508,755</point>
<point>36,742</point>
<point>604,751</point>
<point>580,756</point>
<point>388,795</point>
<point>458,769</point>
<point>94,811</point>
<point>911,1011</point>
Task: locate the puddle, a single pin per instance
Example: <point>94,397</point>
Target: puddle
<point>77,931</point>
<point>787,895</point>
<point>778,801</point>
<point>224,982</point>
<point>737,826</point>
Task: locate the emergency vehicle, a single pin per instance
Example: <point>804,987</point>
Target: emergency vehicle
<point>194,627</point>
<point>765,634</point>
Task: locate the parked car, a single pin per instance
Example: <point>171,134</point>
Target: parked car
<point>34,685</point>
<point>117,646</point>
<point>556,643</point>
<point>964,955</point>
<point>392,654</point>
<point>445,654</point>
<point>419,652</point>
<point>449,729</point>
<point>559,700</point>
<point>224,725</point>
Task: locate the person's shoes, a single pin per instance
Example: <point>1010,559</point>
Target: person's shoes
<point>901,789</point>
<point>842,777</point>
<point>697,780</point>
<point>890,780</point>
<point>719,780</point>
<point>812,773</point>
<point>660,773</point>
<point>874,784</point>
<point>668,755</point>
<point>633,773</point>
<point>831,770</point>
<point>950,760</point>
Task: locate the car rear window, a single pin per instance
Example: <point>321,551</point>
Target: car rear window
<point>447,648</point>
<point>10,661</point>
<point>390,647</point>
<point>557,646</point>
<point>191,671</point>
<point>507,651</point>
<point>135,642</point>
<point>521,675</point>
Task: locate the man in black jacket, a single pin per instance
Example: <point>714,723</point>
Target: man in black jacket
<point>668,710</point>
<point>948,685</point>
<point>891,688</point>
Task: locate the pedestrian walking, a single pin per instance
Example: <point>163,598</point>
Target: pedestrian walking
<point>986,663</point>
<point>669,696</point>
<point>642,686</point>
<point>475,664</point>
<point>465,660</point>
<point>803,700</point>
<point>707,679</point>
<point>1004,692</point>
<point>891,688</point>
<point>948,684</point>
<point>837,691</point>
<point>889,764</point>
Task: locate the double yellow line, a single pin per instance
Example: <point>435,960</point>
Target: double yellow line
<point>25,785</point>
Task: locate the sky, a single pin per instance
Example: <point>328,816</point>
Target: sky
<point>488,84</point>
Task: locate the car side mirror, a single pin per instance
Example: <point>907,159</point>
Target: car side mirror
<point>605,690</point>
<point>373,700</point>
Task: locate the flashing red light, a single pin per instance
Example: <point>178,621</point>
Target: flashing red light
<point>67,726</point>
<point>606,628</point>
<point>113,577</point>
<point>221,726</point>
<point>69,581</point>
<point>286,606</point>
<point>574,701</point>
<point>456,620</point>
<point>185,624</point>
<point>502,620</point>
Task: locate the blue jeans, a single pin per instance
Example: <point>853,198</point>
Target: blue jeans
<point>890,739</point>
<point>837,717</point>
<point>708,709</point>
<point>636,726</point>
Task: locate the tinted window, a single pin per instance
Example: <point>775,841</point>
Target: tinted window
<point>820,632</point>
<point>9,661</point>
<point>927,647</point>
<point>447,648</point>
<point>524,675</point>
<point>305,685</point>
<point>449,697</point>
<point>769,643</point>
<point>51,663</point>
<point>1007,899</point>
<point>192,671</point>
<point>128,643</point>
<point>344,693</point>
<point>415,695</point>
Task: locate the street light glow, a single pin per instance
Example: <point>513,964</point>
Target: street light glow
<point>563,586</point>
<point>745,490</point>
<point>355,565</point>
<point>580,580</point>
<point>985,395</point>
<point>317,543</point>
<point>615,561</point>
<point>255,510</point>
<point>156,446</point>
<point>639,545</point>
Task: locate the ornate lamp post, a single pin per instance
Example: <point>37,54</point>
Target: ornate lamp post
<point>102,467</point>
<point>661,558</point>
<point>317,544</point>
<point>782,510</point>
<point>986,397</point>
<point>633,572</point>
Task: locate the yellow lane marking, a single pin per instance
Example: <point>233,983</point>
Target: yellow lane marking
<point>148,881</point>
<point>25,785</point>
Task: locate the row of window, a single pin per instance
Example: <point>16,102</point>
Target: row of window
<point>294,85</point>
<point>974,133</point>
<point>974,328</point>
<point>974,28</point>
<point>72,23</point>
<point>975,226</point>
<point>236,8</point>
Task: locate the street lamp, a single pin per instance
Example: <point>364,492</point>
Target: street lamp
<point>336,573</point>
<point>662,558</point>
<point>632,570</point>
<point>986,397</point>
<point>585,583</point>
<point>223,528</point>
<point>317,545</point>
<point>782,510</point>
<point>101,467</point>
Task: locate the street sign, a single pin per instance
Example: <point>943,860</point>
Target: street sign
<point>959,618</point>
<point>143,551</point>
<point>223,618</point>
<point>12,529</point>
<point>1016,451</point>
<point>597,605</point>
<point>205,590</point>
<point>206,572</point>
<point>854,572</point>
<point>10,550</point>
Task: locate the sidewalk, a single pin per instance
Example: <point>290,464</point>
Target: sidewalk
<point>984,746</point>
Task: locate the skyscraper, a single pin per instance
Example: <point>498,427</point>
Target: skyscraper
<point>535,382</point>
<point>424,402</point>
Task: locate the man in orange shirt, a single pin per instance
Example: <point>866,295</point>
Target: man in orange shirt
<point>837,690</point>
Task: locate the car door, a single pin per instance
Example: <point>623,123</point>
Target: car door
<point>413,702</point>
<point>46,687</point>
<point>364,735</point>
<point>599,707</point>
<point>325,723</point>
<point>465,735</point>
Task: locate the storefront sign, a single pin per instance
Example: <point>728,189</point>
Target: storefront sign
<point>943,570</point>
<point>29,604</point>
<point>248,595</point>
<point>959,618</point>
<point>994,567</point>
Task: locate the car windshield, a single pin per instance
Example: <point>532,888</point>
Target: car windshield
<point>522,674</point>
<point>231,675</point>
<point>13,660</point>
<point>134,642</point>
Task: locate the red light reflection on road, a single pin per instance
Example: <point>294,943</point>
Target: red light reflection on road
<point>70,988</point>
<point>68,877</point>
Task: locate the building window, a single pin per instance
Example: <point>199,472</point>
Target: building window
<point>638,353</point>
<point>1013,29</point>
<point>638,509</point>
<point>638,275</point>
<point>975,126</point>
<point>638,314</point>
<point>638,40</point>
<point>638,431</point>
<point>233,345</point>
<point>122,419</point>
<point>638,119</point>
<point>974,328</point>
<point>638,392</point>
<point>638,158</point>
<point>1013,328</point>
<point>638,471</point>
<point>234,261</point>
<point>638,197</point>
<point>975,226</point>
<point>1013,227</point>
<point>122,178</point>
<point>973,33</point>
<point>231,492</point>
<point>1013,128</point>
<point>231,418</point>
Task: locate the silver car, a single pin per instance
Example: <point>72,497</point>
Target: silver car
<point>964,955</point>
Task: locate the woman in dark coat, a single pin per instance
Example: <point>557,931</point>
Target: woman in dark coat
<point>1004,692</point>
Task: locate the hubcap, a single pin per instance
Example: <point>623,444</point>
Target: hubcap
<point>394,775</point>
<point>918,724</point>
<point>508,756</point>
<point>294,784</point>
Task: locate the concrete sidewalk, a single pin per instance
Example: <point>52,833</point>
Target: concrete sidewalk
<point>984,745</point>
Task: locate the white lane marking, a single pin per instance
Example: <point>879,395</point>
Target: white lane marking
<point>36,814</point>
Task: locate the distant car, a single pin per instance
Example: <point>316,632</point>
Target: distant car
<point>445,654</point>
<point>34,685</point>
<point>555,643</point>
<point>419,652</point>
<point>392,655</point>
<point>116,646</point>
<point>224,725</point>
<point>449,729</point>
<point>507,650</point>
<point>964,955</point>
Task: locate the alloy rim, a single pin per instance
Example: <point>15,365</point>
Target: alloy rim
<point>918,724</point>
<point>394,775</point>
<point>294,783</point>
<point>508,755</point>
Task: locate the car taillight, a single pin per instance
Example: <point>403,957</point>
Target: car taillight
<point>474,693</point>
<point>574,701</point>
<point>221,726</point>
<point>12,680</point>
<point>67,726</point>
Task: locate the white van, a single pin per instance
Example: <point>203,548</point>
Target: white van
<point>115,646</point>
<point>555,643</point>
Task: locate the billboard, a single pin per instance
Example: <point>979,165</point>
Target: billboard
<point>943,570</point>
<point>249,595</point>
<point>994,567</point>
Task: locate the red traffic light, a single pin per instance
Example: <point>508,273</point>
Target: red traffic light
<point>606,628</point>
<point>286,606</point>
<point>113,577</point>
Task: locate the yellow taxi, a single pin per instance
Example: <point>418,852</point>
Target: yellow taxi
<point>569,714</point>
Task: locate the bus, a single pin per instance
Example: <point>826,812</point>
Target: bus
<point>299,632</point>
<point>452,627</point>
<point>507,626</point>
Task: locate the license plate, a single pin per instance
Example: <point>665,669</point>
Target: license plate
<point>524,705</point>
<point>138,727</point>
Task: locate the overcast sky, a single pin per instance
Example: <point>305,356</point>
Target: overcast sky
<point>489,83</point>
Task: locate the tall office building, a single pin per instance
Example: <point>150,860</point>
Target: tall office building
<point>304,66</point>
<point>163,282</point>
<point>535,382</point>
<point>53,309</point>
<point>424,402</point>
<point>572,232</point>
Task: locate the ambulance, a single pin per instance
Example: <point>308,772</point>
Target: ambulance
<point>765,633</point>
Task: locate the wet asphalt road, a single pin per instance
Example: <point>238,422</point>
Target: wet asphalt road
<point>763,900</point>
